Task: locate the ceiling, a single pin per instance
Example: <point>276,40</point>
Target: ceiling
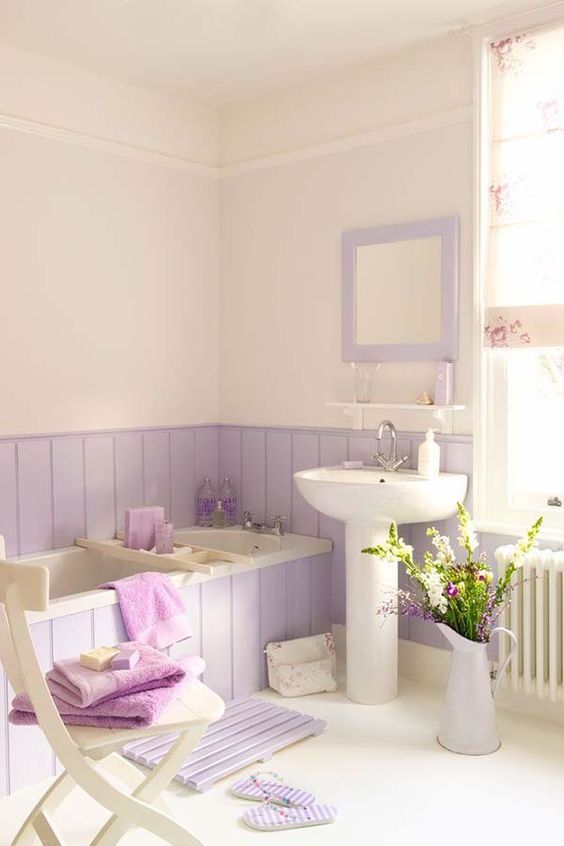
<point>219,51</point>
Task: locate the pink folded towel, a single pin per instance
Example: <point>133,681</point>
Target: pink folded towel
<point>81,687</point>
<point>130,711</point>
<point>152,609</point>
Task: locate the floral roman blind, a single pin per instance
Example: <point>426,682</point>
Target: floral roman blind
<point>524,285</point>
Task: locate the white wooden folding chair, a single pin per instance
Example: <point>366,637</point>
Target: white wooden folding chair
<point>86,752</point>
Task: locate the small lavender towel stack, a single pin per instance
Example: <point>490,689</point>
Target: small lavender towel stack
<point>133,698</point>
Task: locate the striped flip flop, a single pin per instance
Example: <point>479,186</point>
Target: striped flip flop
<point>270,817</point>
<point>270,787</point>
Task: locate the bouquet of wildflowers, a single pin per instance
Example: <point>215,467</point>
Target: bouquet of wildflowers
<point>462,594</point>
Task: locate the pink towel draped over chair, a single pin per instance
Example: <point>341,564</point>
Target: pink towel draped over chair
<point>152,609</point>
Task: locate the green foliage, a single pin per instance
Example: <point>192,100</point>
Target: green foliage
<point>461,594</point>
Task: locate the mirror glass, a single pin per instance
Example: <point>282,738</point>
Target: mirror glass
<point>400,292</point>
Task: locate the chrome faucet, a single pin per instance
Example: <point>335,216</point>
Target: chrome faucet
<point>277,528</point>
<point>392,462</point>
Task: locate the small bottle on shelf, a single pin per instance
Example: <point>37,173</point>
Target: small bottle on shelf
<point>218,518</point>
<point>206,503</point>
<point>228,501</point>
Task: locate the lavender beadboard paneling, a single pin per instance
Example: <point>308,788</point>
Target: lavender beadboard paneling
<point>305,454</point>
<point>129,473</point>
<point>321,593</point>
<point>35,488</point>
<point>253,457</point>
<point>279,474</point>
<point>99,482</point>
<point>182,478</point>
<point>230,458</point>
<point>206,454</point>
<point>68,490</point>
<point>8,497</point>
<point>156,465</point>
<point>334,449</point>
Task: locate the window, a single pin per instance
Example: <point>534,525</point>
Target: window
<point>520,449</point>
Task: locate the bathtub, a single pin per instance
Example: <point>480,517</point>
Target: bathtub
<point>284,592</point>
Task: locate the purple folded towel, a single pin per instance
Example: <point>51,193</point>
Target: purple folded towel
<point>130,711</point>
<point>81,687</point>
<point>152,609</point>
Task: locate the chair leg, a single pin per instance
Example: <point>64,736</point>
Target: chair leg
<point>128,774</point>
<point>48,803</point>
<point>150,789</point>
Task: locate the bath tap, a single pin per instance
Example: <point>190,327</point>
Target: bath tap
<point>277,527</point>
<point>392,462</point>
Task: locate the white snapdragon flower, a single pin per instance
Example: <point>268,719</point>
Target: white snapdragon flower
<point>434,587</point>
<point>468,538</point>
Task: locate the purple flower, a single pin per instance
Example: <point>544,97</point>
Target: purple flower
<point>452,590</point>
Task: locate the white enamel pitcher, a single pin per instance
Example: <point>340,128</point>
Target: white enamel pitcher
<point>468,722</point>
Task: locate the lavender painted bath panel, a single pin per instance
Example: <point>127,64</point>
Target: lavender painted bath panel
<point>100,486</point>
<point>206,454</point>
<point>321,593</point>
<point>30,756</point>
<point>73,634</point>
<point>8,497</point>
<point>273,599</point>
<point>68,490</point>
<point>156,465</point>
<point>253,457</point>
<point>246,633</point>
<point>192,597</point>
<point>216,636</point>
<point>279,474</point>
<point>182,478</point>
<point>35,495</point>
<point>129,473</point>
<point>305,454</point>
<point>108,626</point>
<point>298,603</point>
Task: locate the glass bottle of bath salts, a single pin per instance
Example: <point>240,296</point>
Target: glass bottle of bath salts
<point>228,499</point>
<point>206,500</point>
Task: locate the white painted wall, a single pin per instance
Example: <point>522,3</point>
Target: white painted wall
<point>109,264</point>
<point>280,333</point>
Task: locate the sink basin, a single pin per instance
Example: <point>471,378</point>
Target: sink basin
<point>367,501</point>
<point>373,495</point>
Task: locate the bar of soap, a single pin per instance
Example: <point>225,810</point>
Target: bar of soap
<point>99,659</point>
<point>140,526</point>
<point>126,659</point>
<point>352,465</point>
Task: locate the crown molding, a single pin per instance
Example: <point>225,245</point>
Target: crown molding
<point>500,27</point>
<point>351,142</point>
<point>103,145</point>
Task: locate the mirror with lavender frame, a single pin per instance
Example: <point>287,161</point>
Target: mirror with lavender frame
<point>400,292</point>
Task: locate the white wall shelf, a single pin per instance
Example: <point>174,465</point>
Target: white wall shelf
<point>356,410</point>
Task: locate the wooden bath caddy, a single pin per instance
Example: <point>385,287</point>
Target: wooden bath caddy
<point>251,730</point>
<point>194,558</point>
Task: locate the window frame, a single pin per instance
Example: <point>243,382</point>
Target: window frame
<point>493,510</point>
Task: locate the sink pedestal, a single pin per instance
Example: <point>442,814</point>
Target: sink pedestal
<point>372,640</point>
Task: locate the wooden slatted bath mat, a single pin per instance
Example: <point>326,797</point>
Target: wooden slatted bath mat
<point>250,731</point>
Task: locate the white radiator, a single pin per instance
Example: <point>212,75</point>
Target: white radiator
<point>535,616</point>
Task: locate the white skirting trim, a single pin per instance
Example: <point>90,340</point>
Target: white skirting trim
<point>430,666</point>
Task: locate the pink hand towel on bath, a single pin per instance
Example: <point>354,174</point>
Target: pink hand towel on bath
<point>81,687</point>
<point>129,711</point>
<point>152,609</point>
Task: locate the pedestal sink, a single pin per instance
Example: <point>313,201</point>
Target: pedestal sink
<point>367,501</point>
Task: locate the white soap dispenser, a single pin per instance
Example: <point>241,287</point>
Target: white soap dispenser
<point>429,456</point>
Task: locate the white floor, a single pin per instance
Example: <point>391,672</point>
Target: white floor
<point>390,780</point>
